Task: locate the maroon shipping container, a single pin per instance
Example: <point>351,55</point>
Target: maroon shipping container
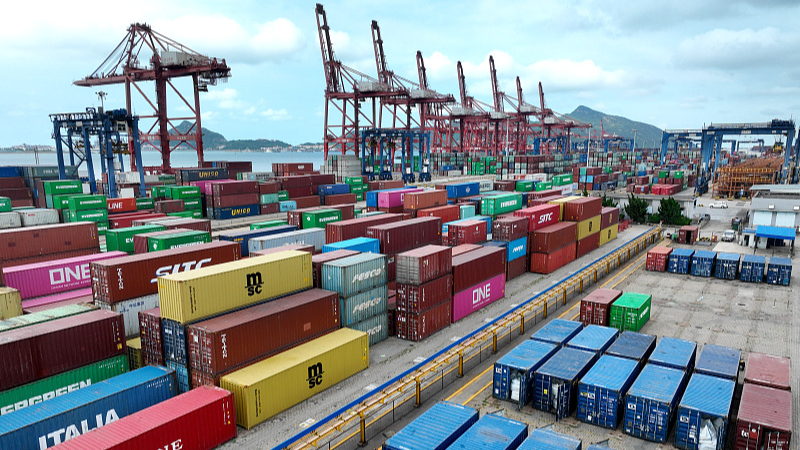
<point>548,262</point>
<point>189,224</point>
<point>539,216</point>
<point>269,187</point>
<point>15,182</point>
<point>608,216</point>
<point>169,206</point>
<point>150,334</point>
<point>406,235</point>
<point>318,260</point>
<point>467,232</point>
<point>414,201</point>
<point>543,200</point>
<point>510,228</point>
<point>476,266</point>
<point>272,208</point>
<point>49,348</point>
<point>51,257</point>
<point>307,202</point>
<point>389,184</point>
<point>301,191</point>
<point>587,244</point>
<point>448,213</point>
<point>505,185</point>
<point>768,370</point>
<point>118,279</point>
<point>140,240</point>
<point>290,182</point>
<point>554,237</point>
<point>297,247</point>
<point>322,178</point>
<point>227,201</point>
<point>391,268</point>
<point>227,342</point>
<point>543,194</point>
<point>152,219</point>
<point>582,208</point>
<point>416,327</point>
<point>516,267</point>
<point>764,419</point>
<point>465,248</point>
<point>17,193</point>
<point>340,199</point>
<point>33,244</point>
<point>234,188</point>
<point>424,264</point>
<point>657,259</point>
<point>201,419</point>
<point>126,220</point>
<point>391,312</point>
<point>688,234</point>
<point>2,279</point>
<point>348,211</point>
<point>596,307</point>
<point>417,299</point>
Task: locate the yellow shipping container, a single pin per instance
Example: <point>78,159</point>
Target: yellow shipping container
<point>135,360</point>
<point>608,234</point>
<point>560,202</point>
<point>276,384</point>
<point>194,295</point>
<point>588,227</point>
<point>10,303</point>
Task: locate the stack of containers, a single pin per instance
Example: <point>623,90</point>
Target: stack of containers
<point>553,247</point>
<point>419,201</point>
<point>326,190</point>
<point>141,242</point>
<point>657,259</point>
<point>122,238</point>
<point>753,268</point>
<point>88,208</point>
<point>424,292</point>
<point>233,199</point>
<point>357,187</point>
<point>779,271</point>
<point>727,266</point>
<point>402,236</point>
<point>311,236</point>
<point>514,371</point>
<point>609,224</point>
<point>585,212</point>
<point>630,311</point>
<point>675,353</point>
<point>764,419</point>
<point>652,402</point>
<point>192,199</point>
<point>556,381</point>
<point>47,242</point>
<point>355,228</point>
<point>634,346</point>
<point>680,260</point>
<point>558,332</point>
<point>703,263</point>
<point>57,192</point>
<point>361,282</point>
<point>151,337</point>
<point>360,245</point>
<point>317,261</point>
<point>596,307</point>
<point>436,428</point>
<point>479,279</point>
<point>513,231</point>
<point>392,201</point>
<point>601,393</point>
<point>501,204</point>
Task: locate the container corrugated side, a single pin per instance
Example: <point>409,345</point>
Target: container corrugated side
<point>542,439</point>
<point>652,402</point>
<point>555,383</point>
<point>71,415</point>
<point>363,305</point>
<point>416,299</point>
<point>435,429</point>
<point>680,260</point>
<point>630,311</point>
<point>768,370</point>
<point>377,327</point>
<point>310,236</point>
<point>129,309</point>
<point>633,345</point>
<point>418,326</point>
<point>513,372</point>
<point>676,353</point>
<point>10,303</point>
<point>779,271</point>
<point>594,338</point>
<point>354,274</point>
<point>45,316</point>
<point>493,432</point>
<point>753,268</point>
<point>703,413</point>
<point>182,376</point>
<point>362,245</point>
<point>424,264</point>
<point>601,392</point>
<point>558,331</point>
<point>191,296</point>
<point>719,361</point>
<point>268,387</point>
<point>764,420</point>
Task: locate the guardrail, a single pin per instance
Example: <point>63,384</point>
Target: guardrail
<point>354,424</point>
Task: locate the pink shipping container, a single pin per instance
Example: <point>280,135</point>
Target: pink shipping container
<point>391,199</point>
<point>57,301</point>
<point>768,370</point>
<point>416,327</point>
<point>657,259</point>
<point>476,297</point>
<point>539,216</point>
<point>53,277</point>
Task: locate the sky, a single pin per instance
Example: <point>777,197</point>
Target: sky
<point>677,64</point>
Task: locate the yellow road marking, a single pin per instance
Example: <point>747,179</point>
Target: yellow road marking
<point>478,392</point>
<point>460,390</point>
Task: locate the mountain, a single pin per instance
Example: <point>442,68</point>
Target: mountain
<point>646,134</point>
<point>215,141</point>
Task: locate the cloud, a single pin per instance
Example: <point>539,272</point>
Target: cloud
<point>439,66</point>
<point>737,49</point>
<point>568,75</point>
<point>697,102</point>
<point>276,114</point>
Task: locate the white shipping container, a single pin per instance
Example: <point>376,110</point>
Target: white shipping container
<point>311,236</point>
<point>485,185</point>
<point>10,220</point>
<point>130,311</point>
<point>38,216</point>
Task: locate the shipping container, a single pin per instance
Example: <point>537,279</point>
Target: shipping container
<point>768,370</point>
<point>587,244</point>
<point>719,361</point>
<point>33,242</point>
<point>608,234</point>
<point>424,264</point>
<point>317,261</point>
<point>501,204</point>
<point>129,310</point>
<point>43,316</point>
<point>134,347</point>
<point>377,327</point>
<point>558,332</point>
<point>560,202</point>
<point>152,338</point>
<point>435,429</point>
<point>174,340</point>
<point>354,228</point>
<point>354,274</point>
<point>630,311</point>
<point>417,299</point>
<point>121,239</point>
<point>545,439</point>
<point>87,202</point>
<point>510,228</point>
<point>633,345</point>
<point>779,271</point>
<point>549,262</point>
<point>39,304</point>
<point>361,245</point>
<point>320,217</point>
<point>296,375</point>
<point>54,347</point>
<point>177,240</point>
<point>37,216</point>
<point>513,372</point>
<point>406,235</point>
<point>363,305</point>
<point>243,236</point>
<point>487,219</point>
<point>493,432</point>
<point>753,268</point>
<point>703,413</point>
<point>554,237</point>
<point>448,213</point>
<point>418,326</point>
<point>609,216</point>
<point>141,242</point>
<point>9,220</point>
<point>517,249</point>
<point>676,353</point>
<point>476,297</point>
<point>230,187</point>
<point>457,190</point>
<point>764,420</point>
<point>10,303</point>
<point>556,381</point>
<point>582,209</point>
<point>299,247</point>
<point>467,232</point>
<point>68,416</point>
<point>416,201</point>
<point>657,259</point>
<point>311,236</point>
<point>394,198</point>
<point>267,224</point>
<point>594,339</point>
<point>516,268</point>
<point>233,212</point>
<point>727,266</point>
<point>596,307</point>
<point>372,196</point>
<point>652,402</point>
<point>680,260</point>
<point>703,263</point>
<point>471,268</point>
<point>601,393</point>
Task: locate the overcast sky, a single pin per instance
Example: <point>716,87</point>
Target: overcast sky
<point>674,64</point>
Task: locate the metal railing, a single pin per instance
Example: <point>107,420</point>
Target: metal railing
<point>356,423</point>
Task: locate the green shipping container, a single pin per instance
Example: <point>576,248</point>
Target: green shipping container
<point>267,199</point>
<point>663,174</point>
<point>562,180</point>
<point>677,174</point>
<point>283,196</point>
<point>60,187</point>
<point>145,203</point>
<point>160,191</point>
<point>354,181</point>
<point>359,189</point>
<point>177,240</point>
<point>501,204</point>
<point>191,214</point>
<point>320,217</point>
<point>51,387</point>
<point>631,311</point>
<point>267,224</point>
<point>183,192</point>
<point>360,197</point>
<point>524,186</point>
<point>90,215</point>
<point>59,201</point>
<point>166,178</point>
<point>191,204</point>
<point>583,171</point>
<point>88,202</point>
<point>102,228</point>
<point>26,320</point>
<point>544,185</point>
<point>122,238</point>
<point>5,204</point>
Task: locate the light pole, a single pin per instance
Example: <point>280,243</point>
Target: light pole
<point>634,140</point>
<point>102,96</point>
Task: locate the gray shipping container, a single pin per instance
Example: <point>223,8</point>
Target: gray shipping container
<point>130,311</point>
<point>10,220</point>
<point>38,216</point>
<point>364,305</point>
<point>377,327</point>
<point>309,236</point>
<point>354,274</point>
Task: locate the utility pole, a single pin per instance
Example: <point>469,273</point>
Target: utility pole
<point>634,140</point>
<point>102,96</point>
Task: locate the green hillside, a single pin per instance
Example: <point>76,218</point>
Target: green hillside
<point>646,134</point>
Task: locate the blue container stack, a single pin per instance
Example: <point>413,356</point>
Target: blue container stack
<point>492,433</point>
<point>719,361</point>
<point>703,413</point>
<point>633,345</point>
<point>458,190</point>
<point>513,373</point>
<point>601,393</point>
<point>436,429</point>
<point>703,263</point>
<point>753,268</point>
<point>555,383</point>
<point>779,271</point>
<point>680,260</point>
<point>594,338</point>
<point>676,353</point>
<point>652,402</point>
<point>727,267</point>
<point>540,439</point>
<point>558,332</point>
<point>243,237</point>
<point>361,244</point>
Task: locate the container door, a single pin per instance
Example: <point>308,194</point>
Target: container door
<point>561,400</point>
<point>776,440</point>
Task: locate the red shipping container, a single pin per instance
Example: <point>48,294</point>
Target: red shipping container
<point>33,244</point>
<point>234,188</point>
<point>394,210</point>
<point>596,307</point>
<point>582,208</point>
<point>516,267</point>
<point>17,203</point>
<point>414,201</point>
<point>15,182</point>
<point>348,211</point>
<point>307,202</point>
<point>340,199</point>
<point>424,264</point>
<point>300,191</point>
<point>150,334</point>
<point>188,224</point>
<point>318,260</point>
<point>510,228</point>
<point>42,258</point>
<point>18,193</point>
<point>465,248</point>
<point>408,234</point>
<point>323,178</point>
<point>269,187</point>
<point>543,194</point>
<point>764,419</point>
<point>227,201</point>
<point>505,186</point>
<point>477,266</point>
<point>657,259</point>
<point>554,237</point>
<point>416,327</point>
<point>297,247</point>
<point>587,244</point>
<point>42,350</point>
<point>391,313</point>
<point>417,299</point>
<point>549,262</point>
<point>768,370</point>
<point>120,205</point>
<point>290,182</point>
<point>354,228</point>
<point>118,279</point>
<point>539,216</point>
<point>169,206</point>
<point>467,232</point>
<point>126,220</point>
<point>389,184</point>
<point>608,216</point>
<point>447,213</point>
<point>140,240</point>
<point>272,208</point>
<point>543,200</point>
<point>200,419</point>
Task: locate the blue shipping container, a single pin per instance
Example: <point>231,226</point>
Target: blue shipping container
<point>244,236</point>
<point>333,189</point>
<point>362,244</point>
<point>9,172</point>
<point>680,260</point>
<point>594,338</point>
<point>633,345</point>
<point>652,401</point>
<point>540,439</point>
<point>68,416</point>
<point>377,327</point>
<point>174,337</point>
<point>466,211</point>
<point>354,274</point>
<point>435,429</point>
<point>458,190</point>
<point>234,212</point>
<point>753,268</point>
<point>492,433</point>
<point>287,205</point>
<point>601,393</point>
<point>703,263</point>
<point>779,271</point>
<point>181,376</point>
<point>517,249</point>
<point>703,413</point>
<point>719,361</point>
<point>676,353</point>
<point>555,384</point>
<point>513,373</point>
<point>363,305</point>
<point>727,267</point>
<point>558,331</point>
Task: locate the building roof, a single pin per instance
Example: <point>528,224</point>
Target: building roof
<point>792,189</point>
<point>782,233</point>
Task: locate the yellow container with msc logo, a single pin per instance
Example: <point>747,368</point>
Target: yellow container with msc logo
<point>276,384</point>
<point>588,227</point>
<point>190,296</point>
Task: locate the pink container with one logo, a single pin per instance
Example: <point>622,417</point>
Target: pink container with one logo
<point>391,199</point>
<point>52,277</point>
<point>476,297</point>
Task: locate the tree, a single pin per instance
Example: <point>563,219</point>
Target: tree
<point>585,193</point>
<point>636,209</point>
<point>608,202</point>
<point>670,212</point>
